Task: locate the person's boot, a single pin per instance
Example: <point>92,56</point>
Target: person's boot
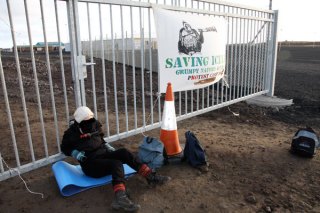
<point>155,179</point>
<point>122,201</point>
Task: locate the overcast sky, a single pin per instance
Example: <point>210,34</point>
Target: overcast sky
<point>298,20</point>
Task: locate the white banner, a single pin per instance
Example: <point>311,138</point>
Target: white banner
<point>191,49</point>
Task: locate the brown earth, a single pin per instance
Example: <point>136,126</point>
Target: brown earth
<point>250,168</point>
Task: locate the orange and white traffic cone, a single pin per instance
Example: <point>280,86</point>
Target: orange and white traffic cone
<point>168,133</point>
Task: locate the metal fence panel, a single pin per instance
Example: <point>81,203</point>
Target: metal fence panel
<point>112,68</point>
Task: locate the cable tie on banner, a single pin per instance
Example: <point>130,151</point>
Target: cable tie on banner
<point>235,114</point>
<point>11,170</point>
<point>225,81</point>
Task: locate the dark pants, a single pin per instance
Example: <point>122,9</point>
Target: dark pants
<point>108,163</point>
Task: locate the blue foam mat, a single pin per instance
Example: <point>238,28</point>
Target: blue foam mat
<point>71,180</point>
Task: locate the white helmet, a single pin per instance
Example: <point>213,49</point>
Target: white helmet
<point>83,113</point>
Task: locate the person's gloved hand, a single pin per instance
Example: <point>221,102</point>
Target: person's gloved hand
<point>80,156</point>
<point>109,147</point>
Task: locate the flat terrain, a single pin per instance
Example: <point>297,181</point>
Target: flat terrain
<point>250,168</point>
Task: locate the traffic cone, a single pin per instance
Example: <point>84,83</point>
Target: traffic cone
<point>168,133</point>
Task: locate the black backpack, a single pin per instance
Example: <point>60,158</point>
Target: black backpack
<point>193,152</point>
<point>305,142</point>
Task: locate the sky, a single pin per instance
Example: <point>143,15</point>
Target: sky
<point>297,20</point>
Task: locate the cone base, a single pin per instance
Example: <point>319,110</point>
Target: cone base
<point>176,156</point>
<point>170,140</point>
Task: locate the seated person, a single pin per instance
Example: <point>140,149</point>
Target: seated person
<point>84,141</point>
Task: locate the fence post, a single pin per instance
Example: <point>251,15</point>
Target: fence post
<point>272,56</point>
<point>76,53</point>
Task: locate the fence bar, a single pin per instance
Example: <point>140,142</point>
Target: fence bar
<point>268,52</point>
<point>191,100</point>
<point>23,100</point>
<point>213,95</point>
<point>259,57</point>
<point>221,81</point>
<point>142,66</point>
<point>36,83</point>
<point>186,101</point>
<point>92,65</point>
<point>50,79</point>
<point>159,101</point>
<point>127,49</point>
<point>124,71</point>
<point>104,73</point>
<point>261,60</point>
<point>235,58</point>
<point>246,76</point>
<point>197,99</point>
<point>256,56</point>
<point>1,164</point>
<point>265,52</point>
<point>243,71</point>
<point>263,42</point>
<point>264,58</point>
<point>79,53</point>
<point>251,56</point>
<point>197,89</point>
<point>202,98</point>
<point>8,110</point>
<point>239,57</point>
<point>231,59</point>
<point>206,88</point>
<point>96,44</point>
<point>133,72</point>
<point>75,74</point>
<point>180,103</point>
<point>208,96</point>
<point>114,73</point>
<point>150,65</point>
<point>227,71</point>
<point>61,63</point>
<point>218,83</point>
<point>240,65</point>
<point>274,48</point>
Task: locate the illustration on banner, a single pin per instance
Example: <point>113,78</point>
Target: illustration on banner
<point>190,40</point>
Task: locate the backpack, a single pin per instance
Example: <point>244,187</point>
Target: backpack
<point>193,152</point>
<point>305,142</point>
<point>151,152</point>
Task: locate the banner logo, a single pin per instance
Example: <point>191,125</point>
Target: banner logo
<point>191,49</point>
<point>190,40</point>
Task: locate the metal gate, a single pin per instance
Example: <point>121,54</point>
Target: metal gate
<point>111,67</point>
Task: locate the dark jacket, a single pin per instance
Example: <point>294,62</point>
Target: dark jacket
<point>89,143</point>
